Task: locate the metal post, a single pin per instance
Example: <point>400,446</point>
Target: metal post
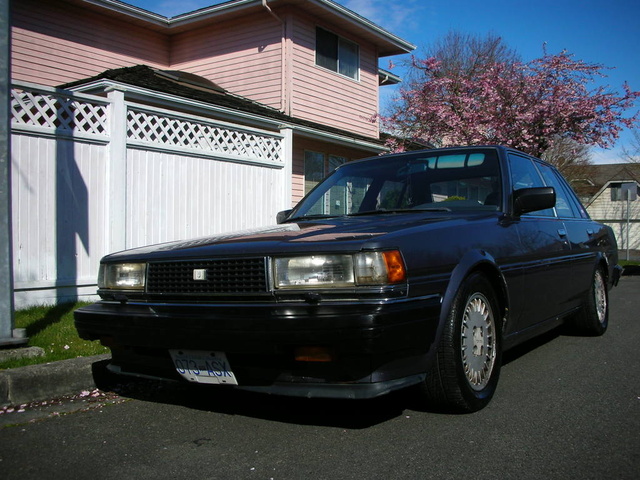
<point>630,192</point>
<point>8,335</point>
<point>628,220</point>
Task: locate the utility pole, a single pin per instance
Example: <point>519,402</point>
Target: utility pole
<point>8,334</point>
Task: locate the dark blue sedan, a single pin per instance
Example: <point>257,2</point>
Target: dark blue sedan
<point>414,269</point>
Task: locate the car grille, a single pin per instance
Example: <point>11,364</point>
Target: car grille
<point>222,277</point>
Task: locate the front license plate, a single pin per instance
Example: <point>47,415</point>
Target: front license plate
<point>203,366</point>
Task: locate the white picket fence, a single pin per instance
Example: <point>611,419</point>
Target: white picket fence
<point>93,175</point>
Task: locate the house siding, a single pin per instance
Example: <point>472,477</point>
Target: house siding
<point>247,57</point>
<point>244,57</point>
<point>326,97</point>
<point>95,43</point>
<point>614,214</point>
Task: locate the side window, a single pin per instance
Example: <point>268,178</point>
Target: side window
<point>524,174</point>
<point>565,207</point>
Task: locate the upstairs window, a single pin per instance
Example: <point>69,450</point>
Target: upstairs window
<point>337,54</point>
<point>620,191</point>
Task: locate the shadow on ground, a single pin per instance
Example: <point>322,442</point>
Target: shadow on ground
<point>352,414</point>
<point>53,316</point>
<point>631,270</point>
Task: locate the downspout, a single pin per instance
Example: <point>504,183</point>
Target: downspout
<point>287,148</point>
<point>283,60</point>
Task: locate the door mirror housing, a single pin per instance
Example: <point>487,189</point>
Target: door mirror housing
<point>533,199</point>
<point>282,216</point>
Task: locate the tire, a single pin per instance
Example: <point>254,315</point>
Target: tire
<point>593,317</point>
<point>465,373</point>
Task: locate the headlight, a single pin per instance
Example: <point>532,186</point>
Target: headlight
<point>328,271</point>
<point>122,276</point>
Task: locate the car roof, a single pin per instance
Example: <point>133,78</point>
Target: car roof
<point>435,151</point>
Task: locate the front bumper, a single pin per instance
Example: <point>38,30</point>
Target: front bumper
<point>376,347</point>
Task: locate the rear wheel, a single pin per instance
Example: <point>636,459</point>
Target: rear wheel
<point>465,374</point>
<point>593,317</point>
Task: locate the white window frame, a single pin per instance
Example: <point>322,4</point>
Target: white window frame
<point>341,42</point>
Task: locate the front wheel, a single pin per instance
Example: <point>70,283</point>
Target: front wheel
<point>467,367</point>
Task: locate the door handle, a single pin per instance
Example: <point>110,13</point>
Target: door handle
<point>562,232</point>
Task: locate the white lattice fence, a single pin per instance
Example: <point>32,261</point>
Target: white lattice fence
<point>58,112</point>
<point>79,160</point>
<point>204,137</point>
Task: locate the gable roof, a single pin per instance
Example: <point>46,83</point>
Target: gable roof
<point>601,174</point>
<point>193,87</point>
<point>386,42</point>
<point>596,178</point>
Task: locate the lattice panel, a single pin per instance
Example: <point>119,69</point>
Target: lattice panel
<point>178,132</point>
<point>60,112</point>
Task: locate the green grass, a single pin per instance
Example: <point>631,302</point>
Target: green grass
<point>52,329</point>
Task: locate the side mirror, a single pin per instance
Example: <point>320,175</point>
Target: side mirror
<point>282,216</point>
<point>533,199</point>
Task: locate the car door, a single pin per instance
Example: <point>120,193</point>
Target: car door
<point>581,232</point>
<point>545,252</point>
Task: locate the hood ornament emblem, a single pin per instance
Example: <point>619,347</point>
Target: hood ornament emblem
<point>200,274</point>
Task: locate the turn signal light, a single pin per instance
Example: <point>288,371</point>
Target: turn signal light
<point>395,266</point>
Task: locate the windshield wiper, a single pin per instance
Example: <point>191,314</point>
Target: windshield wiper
<point>381,211</point>
<point>313,217</point>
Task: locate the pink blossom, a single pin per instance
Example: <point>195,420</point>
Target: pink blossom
<point>519,105</point>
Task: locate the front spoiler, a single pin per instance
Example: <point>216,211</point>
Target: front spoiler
<point>345,391</point>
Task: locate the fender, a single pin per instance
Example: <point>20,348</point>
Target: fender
<point>475,260</point>
<point>613,272</point>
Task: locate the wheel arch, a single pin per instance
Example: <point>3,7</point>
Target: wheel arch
<point>482,262</point>
<point>603,264</point>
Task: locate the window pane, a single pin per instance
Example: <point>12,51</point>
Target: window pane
<point>563,204</point>
<point>348,59</point>
<point>393,195</point>
<point>335,162</point>
<point>313,170</point>
<point>326,49</point>
<point>337,54</point>
<point>524,174</point>
<point>616,192</point>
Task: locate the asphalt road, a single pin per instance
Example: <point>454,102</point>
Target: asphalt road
<point>566,407</point>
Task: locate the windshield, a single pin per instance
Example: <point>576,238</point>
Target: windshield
<point>408,182</point>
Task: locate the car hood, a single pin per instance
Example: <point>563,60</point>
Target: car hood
<point>340,233</point>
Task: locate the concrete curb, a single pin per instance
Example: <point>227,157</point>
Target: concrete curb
<point>42,382</point>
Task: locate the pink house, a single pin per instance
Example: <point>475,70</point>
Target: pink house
<point>313,60</point>
<point>138,129</point>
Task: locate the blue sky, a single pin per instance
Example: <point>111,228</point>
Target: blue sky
<point>605,32</point>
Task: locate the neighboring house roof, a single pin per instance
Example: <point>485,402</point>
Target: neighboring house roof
<point>194,87</point>
<point>386,42</point>
<point>596,178</point>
